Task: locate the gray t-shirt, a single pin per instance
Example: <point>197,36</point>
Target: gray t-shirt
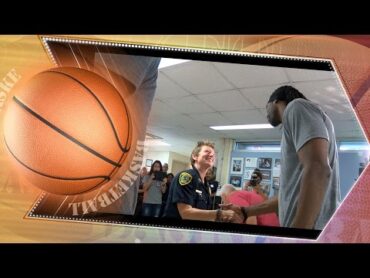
<point>154,194</point>
<point>303,121</point>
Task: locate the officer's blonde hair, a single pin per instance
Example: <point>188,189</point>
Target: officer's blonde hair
<point>198,148</point>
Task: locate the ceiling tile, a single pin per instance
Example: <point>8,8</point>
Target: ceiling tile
<point>226,101</point>
<point>198,77</point>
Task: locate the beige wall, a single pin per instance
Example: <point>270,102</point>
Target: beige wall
<point>225,148</point>
<point>161,156</point>
<point>178,159</point>
<point>178,166</point>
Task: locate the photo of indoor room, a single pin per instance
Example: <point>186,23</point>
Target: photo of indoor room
<point>226,102</point>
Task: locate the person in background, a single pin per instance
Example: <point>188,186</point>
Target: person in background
<point>167,190</point>
<point>255,184</point>
<point>165,167</point>
<point>153,190</point>
<point>140,196</point>
<point>244,198</point>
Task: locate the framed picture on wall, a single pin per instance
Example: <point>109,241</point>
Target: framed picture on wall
<point>149,162</point>
<point>248,174</point>
<point>236,181</point>
<point>237,165</point>
<point>264,163</point>
<point>275,183</point>
<point>266,175</point>
<point>250,162</point>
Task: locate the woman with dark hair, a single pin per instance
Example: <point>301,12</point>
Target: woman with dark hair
<point>153,190</point>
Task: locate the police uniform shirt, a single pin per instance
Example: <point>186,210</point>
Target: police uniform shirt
<point>213,186</point>
<point>188,188</point>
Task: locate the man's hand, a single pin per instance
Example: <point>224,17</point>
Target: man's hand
<point>231,207</point>
<point>231,216</point>
<point>237,210</point>
<point>268,206</point>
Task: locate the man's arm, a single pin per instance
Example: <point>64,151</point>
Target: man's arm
<point>316,173</point>
<point>188,212</point>
<point>268,206</point>
<point>251,220</point>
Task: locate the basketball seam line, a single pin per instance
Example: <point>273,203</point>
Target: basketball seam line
<point>101,105</point>
<point>127,113</point>
<point>114,169</point>
<point>61,132</point>
<point>49,176</point>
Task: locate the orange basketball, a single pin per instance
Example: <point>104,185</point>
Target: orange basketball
<point>68,130</point>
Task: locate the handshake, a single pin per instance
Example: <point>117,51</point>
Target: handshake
<point>231,213</point>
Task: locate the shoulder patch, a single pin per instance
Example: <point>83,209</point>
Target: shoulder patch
<point>185,178</point>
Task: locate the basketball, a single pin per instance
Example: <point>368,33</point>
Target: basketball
<point>67,130</point>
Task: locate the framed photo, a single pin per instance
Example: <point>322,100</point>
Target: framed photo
<point>149,162</point>
<point>237,165</point>
<point>236,181</point>
<point>277,163</point>
<point>276,172</point>
<point>264,163</point>
<point>275,183</point>
<point>266,175</point>
<point>250,162</point>
<point>248,174</point>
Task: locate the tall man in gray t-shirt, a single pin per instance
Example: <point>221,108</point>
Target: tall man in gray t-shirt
<point>309,182</point>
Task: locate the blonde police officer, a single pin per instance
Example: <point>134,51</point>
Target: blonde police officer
<point>190,194</point>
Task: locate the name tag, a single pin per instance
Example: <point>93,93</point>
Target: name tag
<point>198,191</point>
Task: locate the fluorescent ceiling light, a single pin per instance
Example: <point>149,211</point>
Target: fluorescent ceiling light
<point>236,127</point>
<point>354,147</point>
<point>263,148</point>
<point>167,62</point>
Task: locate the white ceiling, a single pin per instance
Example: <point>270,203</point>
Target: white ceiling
<point>194,95</point>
